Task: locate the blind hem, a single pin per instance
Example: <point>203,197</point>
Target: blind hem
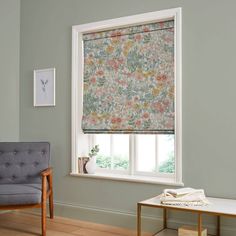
<point>128,131</point>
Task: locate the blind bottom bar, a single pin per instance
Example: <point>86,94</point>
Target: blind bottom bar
<point>128,131</point>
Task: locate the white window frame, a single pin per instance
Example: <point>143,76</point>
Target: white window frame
<point>77,136</point>
<point>133,159</point>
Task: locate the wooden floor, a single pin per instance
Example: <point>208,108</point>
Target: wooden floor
<point>20,223</point>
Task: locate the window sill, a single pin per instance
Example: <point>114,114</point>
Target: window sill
<point>131,178</point>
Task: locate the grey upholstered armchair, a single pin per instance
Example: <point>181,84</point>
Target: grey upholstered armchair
<point>25,177</point>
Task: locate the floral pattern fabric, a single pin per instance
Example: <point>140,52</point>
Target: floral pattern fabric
<point>129,80</point>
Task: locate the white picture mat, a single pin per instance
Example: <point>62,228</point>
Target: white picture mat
<point>44,87</point>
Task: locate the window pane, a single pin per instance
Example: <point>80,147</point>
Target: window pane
<point>114,151</point>
<point>166,160</point>
<point>145,147</point>
<point>120,151</point>
<point>104,156</point>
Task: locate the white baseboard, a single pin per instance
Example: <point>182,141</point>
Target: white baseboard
<point>150,223</point>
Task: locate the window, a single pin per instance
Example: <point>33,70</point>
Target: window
<point>153,154</point>
<point>140,155</point>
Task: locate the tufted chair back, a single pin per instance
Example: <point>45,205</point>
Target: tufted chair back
<point>22,162</point>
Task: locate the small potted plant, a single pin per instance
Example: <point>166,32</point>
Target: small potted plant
<point>91,164</point>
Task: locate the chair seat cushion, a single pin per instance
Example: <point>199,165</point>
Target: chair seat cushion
<point>20,194</point>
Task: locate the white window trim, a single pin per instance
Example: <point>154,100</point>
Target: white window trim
<point>130,178</point>
<point>133,164</point>
<point>77,78</point>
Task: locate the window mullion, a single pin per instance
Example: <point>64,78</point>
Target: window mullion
<point>156,153</point>
<point>132,154</point>
<point>91,141</point>
<point>112,151</point>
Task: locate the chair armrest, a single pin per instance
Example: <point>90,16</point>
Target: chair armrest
<point>46,172</point>
<point>46,178</point>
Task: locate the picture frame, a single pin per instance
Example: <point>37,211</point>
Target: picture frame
<point>44,87</point>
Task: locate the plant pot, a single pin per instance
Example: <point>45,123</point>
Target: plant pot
<point>91,165</point>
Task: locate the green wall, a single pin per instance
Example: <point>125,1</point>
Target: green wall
<point>9,69</point>
<point>209,111</point>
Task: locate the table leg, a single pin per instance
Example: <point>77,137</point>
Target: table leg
<point>164,218</point>
<point>139,219</point>
<point>218,226</point>
<point>199,224</point>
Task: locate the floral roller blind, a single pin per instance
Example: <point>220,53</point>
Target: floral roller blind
<point>129,84</point>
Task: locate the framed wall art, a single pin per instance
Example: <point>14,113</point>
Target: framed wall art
<point>44,87</point>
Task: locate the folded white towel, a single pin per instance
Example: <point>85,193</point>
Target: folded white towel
<point>184,196</point>
<point>182,191</point>
<point>197,203</point>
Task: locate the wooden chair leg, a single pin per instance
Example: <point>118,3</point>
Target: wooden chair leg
<point>43,219</point>
<point>51,207</point>
<point>44,205</point>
